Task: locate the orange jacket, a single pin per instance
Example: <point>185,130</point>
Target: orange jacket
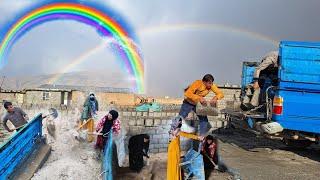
<point>197,90</point>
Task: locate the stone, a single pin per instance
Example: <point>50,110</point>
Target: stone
<point>84,157</point>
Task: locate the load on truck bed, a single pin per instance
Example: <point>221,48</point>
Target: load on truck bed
<point>289,99</point>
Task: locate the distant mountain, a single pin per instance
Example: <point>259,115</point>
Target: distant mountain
<point>81,78</point>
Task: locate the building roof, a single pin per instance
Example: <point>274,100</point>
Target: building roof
<point>84,88</point>
<point>11,91</point>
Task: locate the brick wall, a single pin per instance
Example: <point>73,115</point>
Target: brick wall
<point>36,97</point>
<point>157,125</point>
<point>16,98</point>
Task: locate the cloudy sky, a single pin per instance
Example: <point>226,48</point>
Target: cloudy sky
<point>180,40</point>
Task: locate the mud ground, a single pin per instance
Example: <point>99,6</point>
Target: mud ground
<point>259,158</point>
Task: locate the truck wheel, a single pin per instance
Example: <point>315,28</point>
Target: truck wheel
<point>299,144</point>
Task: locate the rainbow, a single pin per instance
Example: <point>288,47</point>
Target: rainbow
<point>85,13</point>
<point>165,28</point>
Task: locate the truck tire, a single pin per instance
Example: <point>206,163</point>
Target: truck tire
<point>298,144</point>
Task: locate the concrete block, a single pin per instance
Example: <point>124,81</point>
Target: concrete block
<point>161,150</point>
<point>126,113</point>
<point>212,118</point>
<point>163,114</point>
<point>140,122</point>
<point>157,114</point>
<point>164,140</point>
<point>151,131</point>
<point>161,130</point>
<point>134,113</point>
<point>157,136</point>
<point>151,114</point>
<point>170,114</point>
<point>145,114</point>
<point>165,136</point>
<point>157,122</point>
<point>154,150</point>
<point>149,122</point>
<point>154,141</point>
<point>164,122</point>
<point>219,124</point>
<point>135,130</point>
<point>151,146</point>
<point>158,146</point>
<point>132,122</point>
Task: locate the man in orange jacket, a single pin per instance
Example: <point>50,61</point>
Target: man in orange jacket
<point>195,93</point>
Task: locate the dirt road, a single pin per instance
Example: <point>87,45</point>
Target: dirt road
<point>258,158</point>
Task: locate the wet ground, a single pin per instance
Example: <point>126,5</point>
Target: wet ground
<point>259,158</point>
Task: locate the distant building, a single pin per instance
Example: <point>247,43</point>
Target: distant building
<point>64,95</point>
<point>74,96</point>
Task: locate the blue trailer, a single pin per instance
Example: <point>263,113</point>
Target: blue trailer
<point>290,110</point>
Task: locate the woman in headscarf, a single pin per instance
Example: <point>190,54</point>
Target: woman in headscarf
<point>106,124</point>
<point>173,163</point>
<point>138,147</point>
<point>209,152</point>
<point>90,108</point>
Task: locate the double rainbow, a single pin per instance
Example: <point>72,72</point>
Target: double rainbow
<point>101,20</point>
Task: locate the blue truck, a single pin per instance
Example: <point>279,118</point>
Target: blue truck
<point>290,100</point>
